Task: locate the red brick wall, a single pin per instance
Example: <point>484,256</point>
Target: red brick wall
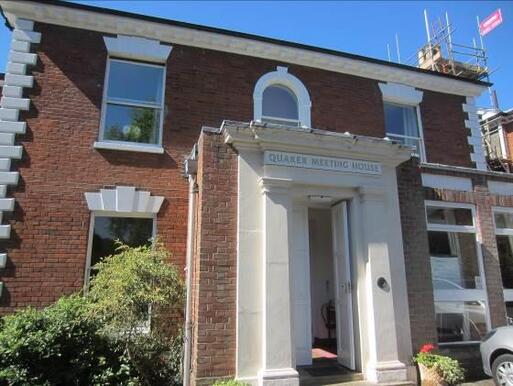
<point>51,221</point>
<point>445,135</point>
<point>416,255</point>
<point>215,271</point>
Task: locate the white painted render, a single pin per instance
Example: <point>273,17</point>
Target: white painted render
<point>116,24</point>
<point>438,181</point>
<point>400,94</point>
<point>500,188</point>
<point>137,48</point>
<point>265,352</point>
<point>124,199</point>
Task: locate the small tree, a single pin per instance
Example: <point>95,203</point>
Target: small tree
<point>128,289</point>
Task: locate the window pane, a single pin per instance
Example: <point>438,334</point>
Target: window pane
<point>505,249</point>
<point>449,216</point>
<point>133,124</point>
<point>460,321</point>
<point>131,231</point>
<point>454,263</point>
<point>401,120</point>
<point>279,102</point>
<point>503,220</point>
<point>405,141</point>
<point>135,82</point>
<point>509,311</point>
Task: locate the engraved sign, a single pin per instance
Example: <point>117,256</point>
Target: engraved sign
<point>335,164</point>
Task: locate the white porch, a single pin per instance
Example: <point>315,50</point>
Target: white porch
<point>282,173</point>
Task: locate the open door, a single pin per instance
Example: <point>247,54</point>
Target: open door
<point>301,306</point>
<point>343,296</point>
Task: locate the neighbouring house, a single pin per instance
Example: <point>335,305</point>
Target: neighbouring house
<point>323,204</point>
<point>497,129</point>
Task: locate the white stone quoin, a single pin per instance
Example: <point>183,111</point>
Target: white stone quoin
<point>17,77</point>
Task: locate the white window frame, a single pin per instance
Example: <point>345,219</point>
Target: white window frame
<point>461,295</point>
<point>507,292</point>
<point>281,77</point>
<point>103,143</point>
<point>421,153</point>
<point>403,95</point>
<point>96,214</point>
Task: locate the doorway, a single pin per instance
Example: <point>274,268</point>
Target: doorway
<point>323,289</point>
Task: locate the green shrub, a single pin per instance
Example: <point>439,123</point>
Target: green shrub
<point>128,282</point>
<point>126,287</point>
<point>230,382</point>
<point>97,339</point>
<point>58,346</point>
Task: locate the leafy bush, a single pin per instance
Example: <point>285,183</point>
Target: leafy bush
<point>99,339</point>
<point>230,382</point>
<point>128,287</point>
<point>58,346</point>
<point>130,281</point>
<point>449,369</point>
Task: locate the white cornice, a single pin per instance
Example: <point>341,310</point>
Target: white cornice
<point>243,136</point>
<point>116,24</point>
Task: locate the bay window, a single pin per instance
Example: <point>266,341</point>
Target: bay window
<point>457,272</point>
<point>133,104</point>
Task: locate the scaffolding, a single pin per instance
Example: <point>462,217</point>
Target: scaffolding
<point>441,54</point>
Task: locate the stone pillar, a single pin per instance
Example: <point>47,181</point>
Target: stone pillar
<point>383,364</point>
<point>492,269</point>
<point>277,362</point>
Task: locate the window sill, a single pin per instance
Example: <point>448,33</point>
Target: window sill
<point>155,149</point>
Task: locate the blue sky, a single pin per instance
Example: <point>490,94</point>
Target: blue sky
<point>363,28</point>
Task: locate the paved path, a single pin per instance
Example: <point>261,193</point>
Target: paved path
<point>484,382</point>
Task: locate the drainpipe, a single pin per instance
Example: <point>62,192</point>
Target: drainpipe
<point>190,171</point>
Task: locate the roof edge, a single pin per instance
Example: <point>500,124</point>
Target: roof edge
<point>42,11</point>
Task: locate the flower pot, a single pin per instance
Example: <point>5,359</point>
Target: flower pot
<point>429,377</point>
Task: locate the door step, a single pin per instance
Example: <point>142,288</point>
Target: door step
<point>346,379</point>
<point>336,381</point>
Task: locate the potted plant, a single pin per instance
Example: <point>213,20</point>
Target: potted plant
<point>436,369</point>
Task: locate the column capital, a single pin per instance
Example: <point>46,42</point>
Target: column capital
<point>371,193</point>
<point>275,185</point>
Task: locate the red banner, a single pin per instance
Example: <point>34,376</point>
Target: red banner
<point>490,22</point>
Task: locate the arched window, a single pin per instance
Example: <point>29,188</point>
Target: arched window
<point>279,105</point>
<point>280,97</point>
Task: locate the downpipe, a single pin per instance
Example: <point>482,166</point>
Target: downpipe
<point>188,302</point>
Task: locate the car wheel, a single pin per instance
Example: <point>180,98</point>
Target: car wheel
<point>502,370</point>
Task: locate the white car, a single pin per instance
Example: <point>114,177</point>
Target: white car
<point>497,355</point>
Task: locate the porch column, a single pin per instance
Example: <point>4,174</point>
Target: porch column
<point>383,364</point>
<point>278,357</point>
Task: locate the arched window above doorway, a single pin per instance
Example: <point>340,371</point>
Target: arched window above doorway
<point>279,105</point>
<point>280,97</point>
